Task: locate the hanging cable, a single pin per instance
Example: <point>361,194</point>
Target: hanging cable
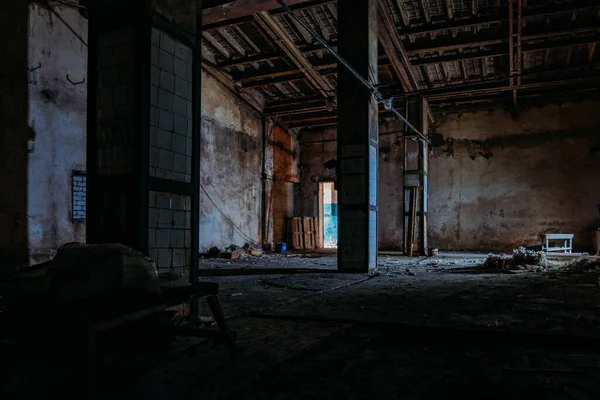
<point>387,103</point>
<point>229,221</point>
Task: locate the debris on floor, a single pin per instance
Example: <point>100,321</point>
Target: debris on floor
<point>230,254</point>
<point>213,252</point>
<point>521,260</point>
<point>583,266</point>
<point>252,250</point>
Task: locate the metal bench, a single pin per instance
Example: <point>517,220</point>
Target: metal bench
<point>567,245</point>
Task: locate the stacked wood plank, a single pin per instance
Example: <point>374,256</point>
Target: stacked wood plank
<point>304,233</point>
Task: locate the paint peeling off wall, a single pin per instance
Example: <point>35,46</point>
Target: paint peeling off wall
<point>503,182</point>
<point>230,169</point>
<point>319,146</point>
<point>281,200</point>
<point>57,114</point>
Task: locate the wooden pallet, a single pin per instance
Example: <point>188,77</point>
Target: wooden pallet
<point>297,233</point>
<point>317,231</point>
<point>309,233</point>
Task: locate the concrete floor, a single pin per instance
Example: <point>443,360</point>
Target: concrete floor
<point>421,328</point>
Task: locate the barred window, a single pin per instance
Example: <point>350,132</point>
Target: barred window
<point>79,196</point>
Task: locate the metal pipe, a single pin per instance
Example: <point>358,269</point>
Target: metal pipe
<point>378,96</point>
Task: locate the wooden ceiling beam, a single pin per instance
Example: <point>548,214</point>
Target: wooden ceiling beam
<point>264,79</point>
<point>300,107</point>
<point>496,41</point>
<point>288,78</point>
<point>294,53</point>
<point>270,56</point>
<point>519,54</point>
<point>456,46</point>
<point>507,88</point>
<point>450,8</point>
<point>501,17</point>
<point>238,11</point>
<point>274,74</point>
<point>426,10</point>
<point>394,49</point>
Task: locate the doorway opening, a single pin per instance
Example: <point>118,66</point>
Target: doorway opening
<point>329,211</point>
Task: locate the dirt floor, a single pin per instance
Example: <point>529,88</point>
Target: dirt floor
<point>419,328</point>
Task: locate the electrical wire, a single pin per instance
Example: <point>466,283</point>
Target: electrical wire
<point>388,103</point>
<point>229,221</point>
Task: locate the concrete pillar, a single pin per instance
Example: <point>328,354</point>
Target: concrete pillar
<point>143,133</point>
<point>357,137</point>
<point>14,135</point>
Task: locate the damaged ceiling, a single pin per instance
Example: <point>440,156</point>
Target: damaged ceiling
<point>457,53</point>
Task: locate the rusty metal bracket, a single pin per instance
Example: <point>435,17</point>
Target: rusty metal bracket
<point>34,68</point>
<point>75,83</point>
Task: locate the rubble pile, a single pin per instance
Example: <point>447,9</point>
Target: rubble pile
<point>233,252</point>
<point>521,259</point>
<point>583,266</point>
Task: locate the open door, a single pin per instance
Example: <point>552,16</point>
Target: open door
<point>329,215</point>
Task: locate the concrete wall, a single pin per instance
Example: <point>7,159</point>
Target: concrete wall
<point>231,147</point>
<point>319,145</point>
<point>505,181</point>
<point>391,196</point>
<point>230,168</point>
<point>286,157</point>
<point>230,158</point>
<point>57,114</point>
<point>498,185</point>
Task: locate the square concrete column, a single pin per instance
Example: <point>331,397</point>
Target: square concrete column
<point>143,134</point>
<point>357,137</point>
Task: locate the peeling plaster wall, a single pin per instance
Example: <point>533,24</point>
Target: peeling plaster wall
<point>391,190</point>
<point>230,168</point>
<point>503,181</point>
<point>319,146</point>
<point>286,156</point>
<point>57,114</point>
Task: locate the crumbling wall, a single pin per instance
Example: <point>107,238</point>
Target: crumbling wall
<point>319,145</point>
<point>230,168</point>
<point>57,114</point>
<point>500,182</point>
<point>286,157</point>
<point>391,190</point>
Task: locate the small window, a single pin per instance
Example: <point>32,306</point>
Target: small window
<point>79,196</point>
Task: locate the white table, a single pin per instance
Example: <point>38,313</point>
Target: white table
<point>567,239</point>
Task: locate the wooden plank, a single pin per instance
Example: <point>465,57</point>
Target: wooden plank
<point>317,230</point>
<point>297,234</point>
<point>309,233</point>
<point>412,218</point>
<point>268,23</point>
<point>390,40</point>
<point>240,9</point>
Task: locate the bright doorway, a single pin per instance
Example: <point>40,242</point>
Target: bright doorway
<point>328,205</point>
